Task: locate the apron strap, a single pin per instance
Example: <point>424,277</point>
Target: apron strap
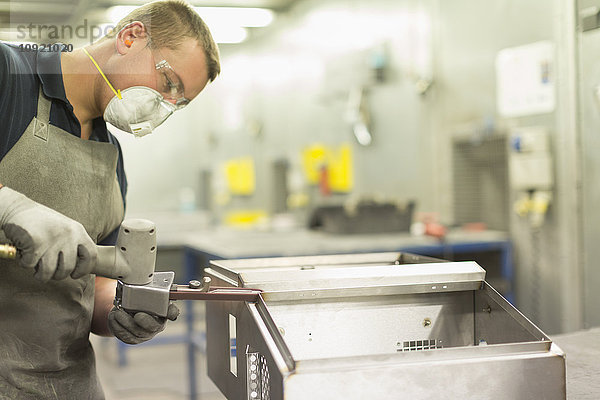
<point>42,119</point>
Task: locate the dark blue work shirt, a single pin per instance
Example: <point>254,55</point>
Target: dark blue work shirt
<point>20,75</point>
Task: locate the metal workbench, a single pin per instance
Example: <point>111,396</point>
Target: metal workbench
<point>583,363</point>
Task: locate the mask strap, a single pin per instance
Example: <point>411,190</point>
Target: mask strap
<point>117,92</point>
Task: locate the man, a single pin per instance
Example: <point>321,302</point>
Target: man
<point>64,188</point>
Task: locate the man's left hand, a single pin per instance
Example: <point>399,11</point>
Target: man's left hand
<point>140,327</point>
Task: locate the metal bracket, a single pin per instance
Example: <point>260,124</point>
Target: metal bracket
<point>40,130</point>
<point>589,19</point>
<point>152,298</point>
<point>183,292</point>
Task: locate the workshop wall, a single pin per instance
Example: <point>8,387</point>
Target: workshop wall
<point>589,42</point>
<point>470,35</point>
<point>547,264</point>
<point>289,88</point>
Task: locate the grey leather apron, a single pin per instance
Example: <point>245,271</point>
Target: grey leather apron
<point>45,351</point>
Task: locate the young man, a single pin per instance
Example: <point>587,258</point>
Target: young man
<point>64,188</point>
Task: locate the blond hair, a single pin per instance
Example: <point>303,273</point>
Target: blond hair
<point>169,23</point>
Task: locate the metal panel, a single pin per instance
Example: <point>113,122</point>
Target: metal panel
<point>497,321</point>
<point>226,272</point>
<point>518,377</point>
<point>368,326</point>
<point>376,346</point>
<point>254,335</point>
<point>372,276</point>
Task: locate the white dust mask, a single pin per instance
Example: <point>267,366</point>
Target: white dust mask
<point>139,111</point>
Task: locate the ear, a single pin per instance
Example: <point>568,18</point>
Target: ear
<point>132,37</point>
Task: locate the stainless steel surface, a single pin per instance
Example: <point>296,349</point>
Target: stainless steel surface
<point>497,321</point>
<point>466,342</point>
<point>226,272</point>
<point>355,280</point>
<point>441,276</point>
<point>583,368</point>
<point>152,298</point>
<point>524,377</point>
<point>348,327</point>
<point>325,261</point>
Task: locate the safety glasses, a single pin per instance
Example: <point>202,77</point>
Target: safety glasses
<point>172,85</point>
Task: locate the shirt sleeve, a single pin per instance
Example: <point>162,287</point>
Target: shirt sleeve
<point>3,67</point>
<point>111,239</point>
<point>5,91</point>
<point>4,71</point>
<point>17,105</point>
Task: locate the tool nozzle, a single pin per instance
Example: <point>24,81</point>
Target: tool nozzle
<point>8,251</point>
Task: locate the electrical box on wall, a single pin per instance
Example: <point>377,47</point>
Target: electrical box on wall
<point>524,80</point>
<point>530,159</point>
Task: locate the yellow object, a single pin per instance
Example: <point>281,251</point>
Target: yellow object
<point>313,159</point>
<point>340,170</point>
<point>240,176</point>
<point>337,161</point>
<point>246,218</point>
<point>540,203</point>
<point>523,206</point>
<point>534,206</point>
<point>8,251</point>
<point>117,92</point>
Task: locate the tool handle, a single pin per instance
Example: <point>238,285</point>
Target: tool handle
<point>132,260</point>
<point>106,265</point>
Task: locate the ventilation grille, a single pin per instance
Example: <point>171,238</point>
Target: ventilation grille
<point>258,377</point>
<point>415,345</point>
<point>480,181</point>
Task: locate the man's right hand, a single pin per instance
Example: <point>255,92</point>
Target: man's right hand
<point>49,242</point>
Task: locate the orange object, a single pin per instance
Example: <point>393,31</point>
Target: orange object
<point>474,226</point>
<point>128,43</point>
<point>434,229</point>
<point>324,186</point>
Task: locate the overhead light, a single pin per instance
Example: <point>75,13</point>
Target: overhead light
<point>228,34</point>
<point>227,24</point>
<point>240,16</point>
<point>117,13</point>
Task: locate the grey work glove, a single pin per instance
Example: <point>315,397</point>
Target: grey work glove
<point>140,327</point>
<point>49,242</point>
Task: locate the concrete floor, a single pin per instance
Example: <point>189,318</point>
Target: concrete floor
<point>152,372</point>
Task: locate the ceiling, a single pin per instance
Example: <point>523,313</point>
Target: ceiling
<point>15,12</point>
